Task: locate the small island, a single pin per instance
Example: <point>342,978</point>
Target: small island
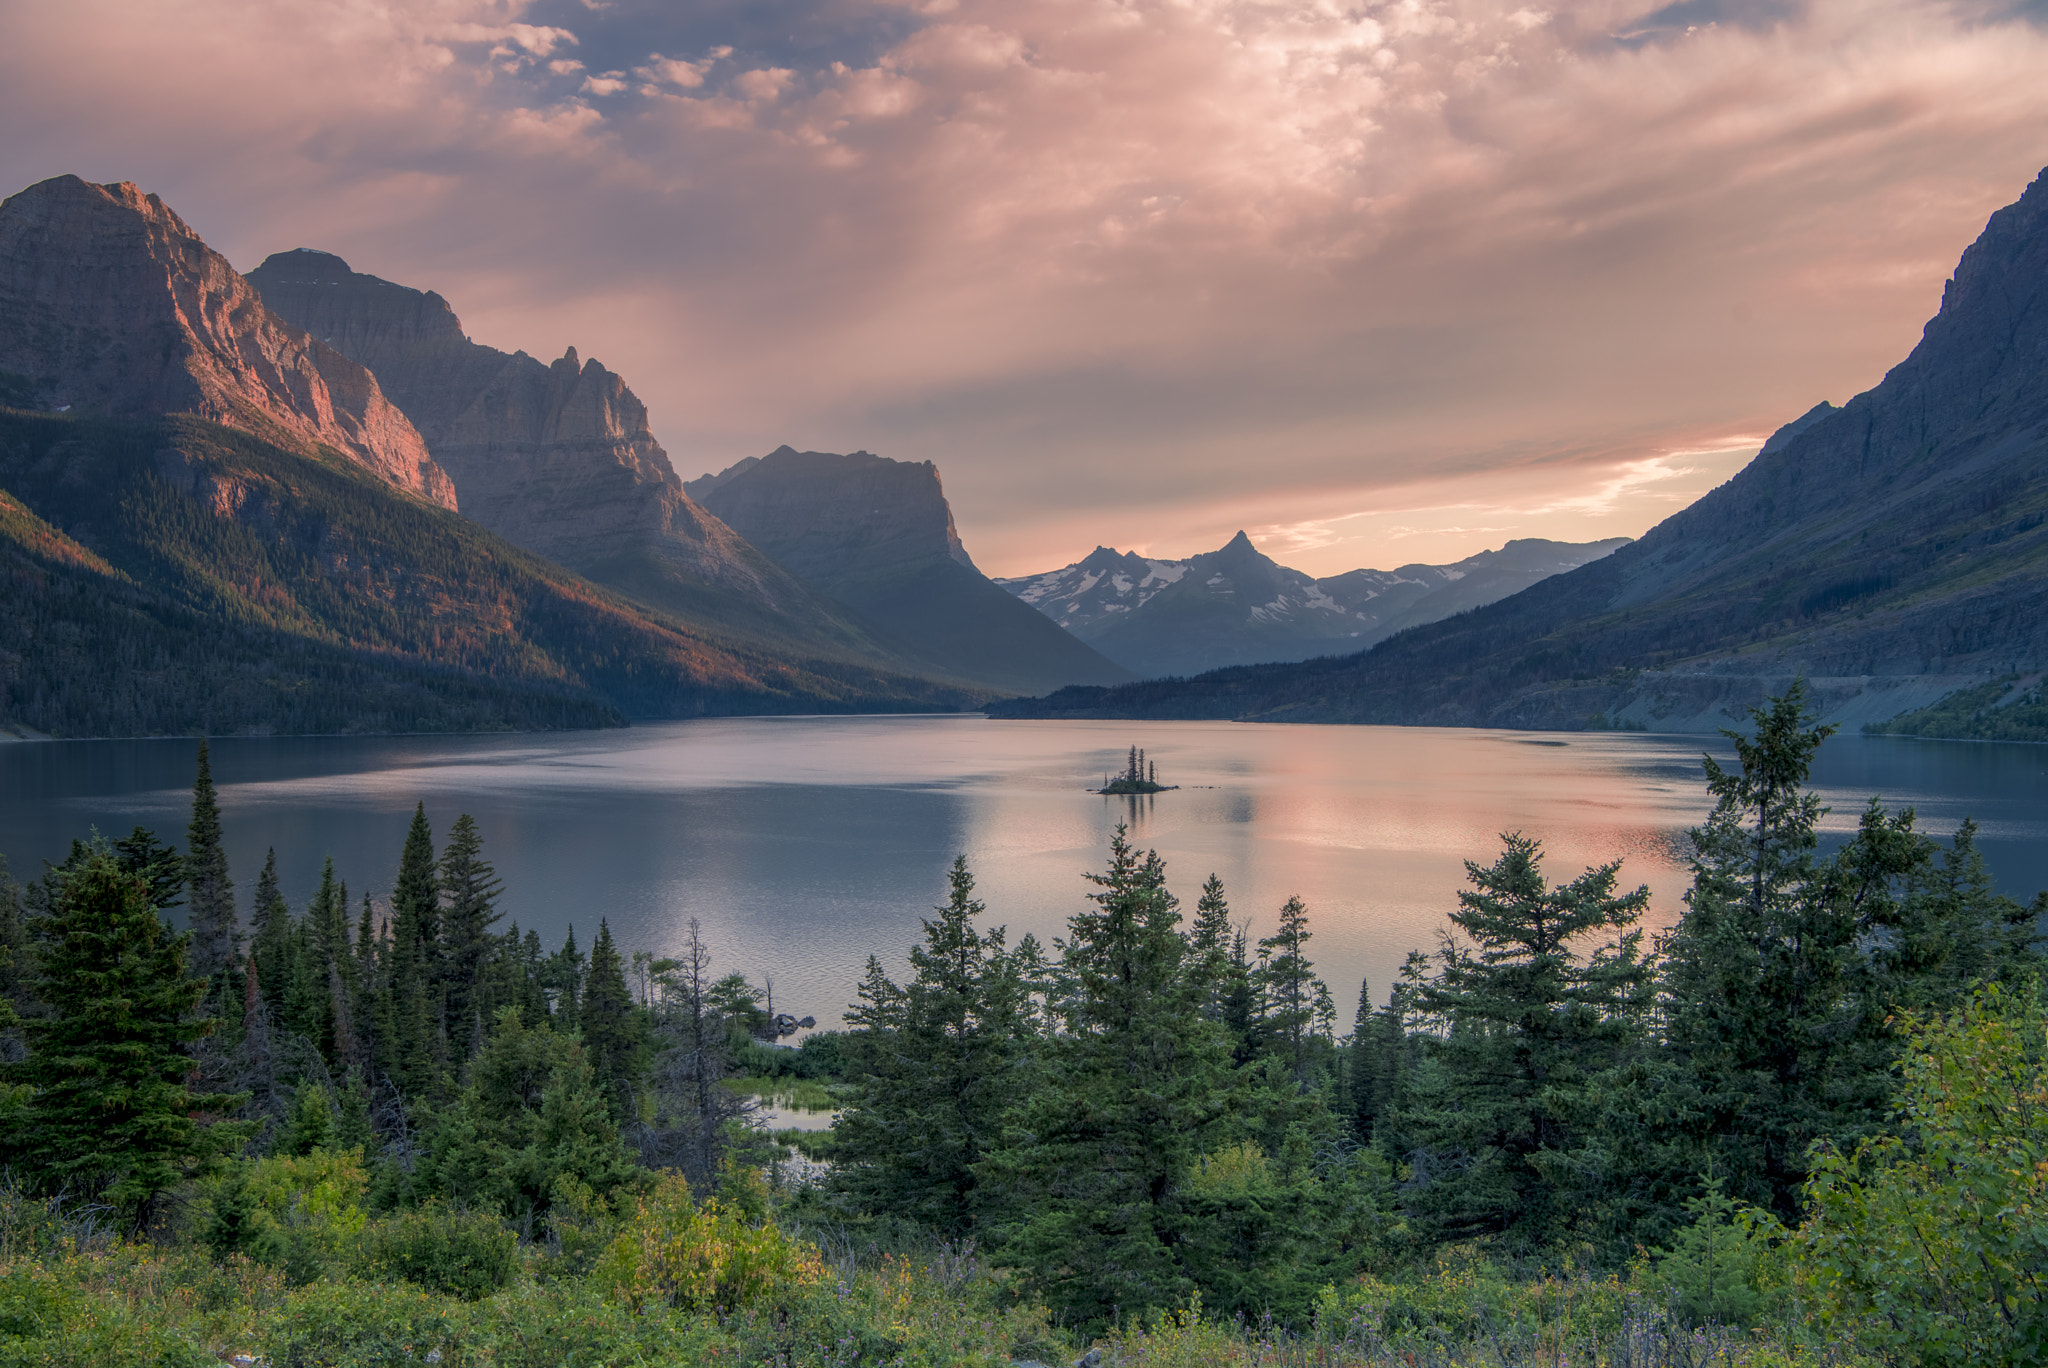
<point>1139,776</point>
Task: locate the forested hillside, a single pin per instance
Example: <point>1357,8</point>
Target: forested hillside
<point>1804,1128</point>
<point>179,576</point>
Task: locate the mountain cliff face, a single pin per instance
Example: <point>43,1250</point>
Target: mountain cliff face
<point>557,458</point>
<point>1236,606</point>
<point>878,535</point>
<point>1892,550</point>
<point>179,577</point>
<point>110,304</point>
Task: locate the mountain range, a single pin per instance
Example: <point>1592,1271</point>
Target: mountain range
<point>213,520</point>
<point>1237,606</point>
<point>1892,550</point>
<point>558,458</point>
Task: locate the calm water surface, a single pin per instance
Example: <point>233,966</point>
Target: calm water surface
<point>804,845</point>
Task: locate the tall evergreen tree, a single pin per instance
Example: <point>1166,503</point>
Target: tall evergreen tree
<point>1287,985</point>
<point>469,891</point>
<point>1095,1172</point>
<point>1209,941</point>
<point>611,1026</point>
<point>212,900</point>
<point>1776,1017</point>
<point>419,1044</point>
<point>941,1059</point>
<point>112,1111</point>
<point>1526,1023</point>
<point>270,937</point>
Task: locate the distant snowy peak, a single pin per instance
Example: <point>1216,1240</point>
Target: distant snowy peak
<point>1106,581</point>
<point>1235,605</point>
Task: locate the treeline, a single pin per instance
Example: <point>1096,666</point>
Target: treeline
<point>1163,1109</point>
<point>1154,1113</point>
<point>467,1063</point>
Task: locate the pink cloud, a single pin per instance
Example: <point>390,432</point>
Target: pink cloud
<point>1122,267</point>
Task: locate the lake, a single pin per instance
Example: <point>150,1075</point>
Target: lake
<point>803,845</point>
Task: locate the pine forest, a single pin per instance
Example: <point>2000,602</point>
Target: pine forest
<point>1809,1125</point>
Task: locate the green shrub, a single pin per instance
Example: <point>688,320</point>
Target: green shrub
<point>458,1254</point>
<point>31,1302</point>
<point>358,1325</point>
<point>1932,1246</point>
<point>1725,1268</point>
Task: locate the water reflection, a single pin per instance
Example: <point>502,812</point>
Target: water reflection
<point>806,844</point>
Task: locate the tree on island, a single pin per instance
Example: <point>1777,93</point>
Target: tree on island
<point>1139,776</point>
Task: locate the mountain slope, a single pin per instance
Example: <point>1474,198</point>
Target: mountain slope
<point>110,304</point>
<point>1237,606</point>
<point>557,458</point>
<point>1891,550</point>
<point>178,575</point>
<point>878,535</point>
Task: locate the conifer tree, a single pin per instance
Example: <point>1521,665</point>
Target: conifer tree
<point>1526,1022</point>
<point>419,1044</point>
<point>1776,1017</point>
<point>1095,1172</point>
<point>212,901</point>
<point>112,1112</point>
<point>942,1058</point>
<point>469,891</point>
<point>563,980</point>
<point>1209,941</point>
<point>270,937</point>
<point>1287,984</point>
<point>610,1024</point>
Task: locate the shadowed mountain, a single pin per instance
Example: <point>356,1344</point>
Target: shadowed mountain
<point>179,576</point>
<point>1892,550</point>
<point>109,304</point>
<point>878,535</point>
<point>1237,606</point>
<point>558,458</point>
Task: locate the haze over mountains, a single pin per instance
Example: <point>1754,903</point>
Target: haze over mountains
<point>1892,550</point>
<point>1237,606</point>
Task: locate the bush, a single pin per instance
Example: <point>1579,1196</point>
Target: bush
<point>458,1254</point>
<point>701,1259</point>
<point>298,1213</point>
<point>1931,1249</point>
<point>351,1325</point>
<point>1725,1268</point>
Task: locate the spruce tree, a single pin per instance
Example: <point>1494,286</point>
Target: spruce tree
<point>469,891</point>
<point>1209,941</point>
<point>270,937</point>
<point>419,1044</point>
<point>1287,984</point>
<point>942,1057</point>
<point>1526,1023</point>
<point>1776,1017</point>
<point>611,1026</point>
<point>1094,1176</point>
<point>212,900</point>
<point>112,1112</point>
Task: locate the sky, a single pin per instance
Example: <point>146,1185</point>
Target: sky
<point>1378,283</point>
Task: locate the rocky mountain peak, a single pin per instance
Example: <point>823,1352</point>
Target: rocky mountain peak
<point>823,513</point>
<point>110,302</point>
